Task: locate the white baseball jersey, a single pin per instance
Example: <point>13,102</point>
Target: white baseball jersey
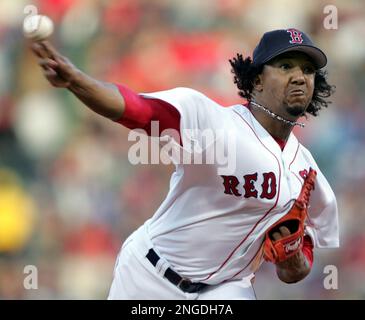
<point>211,226</point>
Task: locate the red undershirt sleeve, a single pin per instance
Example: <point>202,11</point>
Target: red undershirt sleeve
<point>140,112</point>
<point>308,249</point>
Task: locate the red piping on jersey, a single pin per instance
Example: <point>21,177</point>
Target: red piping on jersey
<point>254,227</point>
<point>280,142</point>
<point>296,152</point>
<point>245,266</point>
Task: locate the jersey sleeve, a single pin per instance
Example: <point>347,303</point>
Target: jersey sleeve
<point>322,223</point>
<point>182,113</point>
<point>308,249</point>
<point>197,112</point>
<point>140,112</point>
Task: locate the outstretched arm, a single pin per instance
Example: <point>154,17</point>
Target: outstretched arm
<point>112,101</point>
<point>101,97</point>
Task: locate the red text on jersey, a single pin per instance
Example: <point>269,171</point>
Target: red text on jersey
<point>267,190</point>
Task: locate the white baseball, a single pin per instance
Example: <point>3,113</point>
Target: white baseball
<point>37,27</point>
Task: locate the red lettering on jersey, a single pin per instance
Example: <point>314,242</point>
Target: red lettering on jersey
<point>269,182</point>
<point>230,185</point>
<point>296,36</point>
<point>303,173</point>
<point>250,190</point>
<point>269,185</point>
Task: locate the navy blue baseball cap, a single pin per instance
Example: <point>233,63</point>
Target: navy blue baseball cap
<point>276,42</point>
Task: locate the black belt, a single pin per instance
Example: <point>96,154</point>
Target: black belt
<point>184,284</point>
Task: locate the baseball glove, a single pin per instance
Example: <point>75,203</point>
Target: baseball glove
<point>280,250</point>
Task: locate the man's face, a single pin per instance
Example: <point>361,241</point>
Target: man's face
<point>286,84</point>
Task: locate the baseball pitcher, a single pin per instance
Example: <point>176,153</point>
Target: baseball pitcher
<point>218,224</point>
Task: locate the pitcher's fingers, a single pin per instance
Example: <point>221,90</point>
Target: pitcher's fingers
<point>284,231</point>
<point>51,51</point>
<point>276,235</point>
<point>50,74</point>
<point>38,50</point>
<point>47,63</point>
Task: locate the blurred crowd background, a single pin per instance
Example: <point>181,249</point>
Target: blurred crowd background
<point>69,196</point>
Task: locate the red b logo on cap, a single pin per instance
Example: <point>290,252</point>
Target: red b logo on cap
<point>296,36</point>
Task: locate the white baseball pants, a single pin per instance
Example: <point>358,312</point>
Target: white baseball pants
<point>135,278</point>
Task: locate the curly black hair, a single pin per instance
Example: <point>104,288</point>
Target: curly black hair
<point>245,73</point>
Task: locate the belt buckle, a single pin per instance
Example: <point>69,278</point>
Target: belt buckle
<point>184,284</point>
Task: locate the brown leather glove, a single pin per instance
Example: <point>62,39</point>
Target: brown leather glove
<point>287,246</point>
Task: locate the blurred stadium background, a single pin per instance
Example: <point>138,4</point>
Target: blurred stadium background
<point>69,196</point>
